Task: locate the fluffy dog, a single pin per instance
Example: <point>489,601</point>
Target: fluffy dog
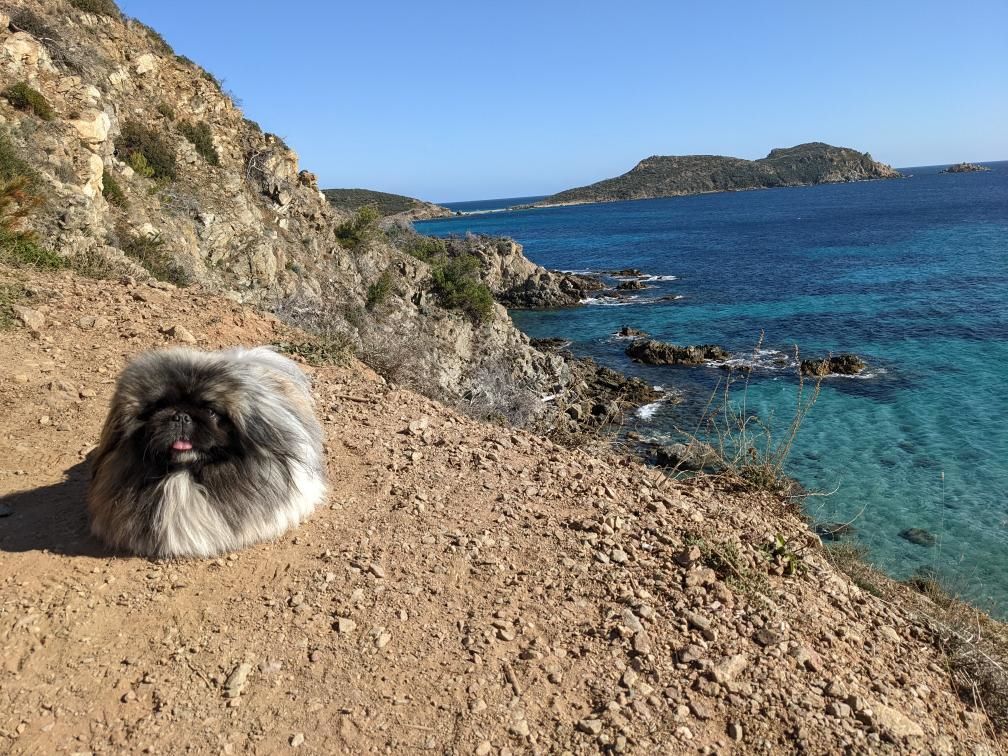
<point>206,452</point>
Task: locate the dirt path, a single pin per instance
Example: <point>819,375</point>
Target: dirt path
<point>466,589</point>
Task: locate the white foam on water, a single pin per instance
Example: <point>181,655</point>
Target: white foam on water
<point>647,411</point>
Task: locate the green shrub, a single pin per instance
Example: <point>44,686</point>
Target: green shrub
<point>149,251</point>
<point>426,248</point>
<point>457,285</point>
<point>156,153</point>
<point>98,7</point>
<point>379,291</point>
<point>112,192</point>
<point>20,249</point>
<point>202,139</point>
<point>14,167</point>
<point>166,110</point>
<point>23,97</point>
<point>361,227</point>
<point>140,165</point>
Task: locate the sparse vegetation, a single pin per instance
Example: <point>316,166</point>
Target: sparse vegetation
<point>159,42</point>
<point>425,248</point>
<point>360,228</point>
<point>326,348</point>
<point>23,97</point>
<point>202,139</point>
<point>156,156</point>
<point>20,197</point>
<point>112,192</point>
<point>166,110</point>
<point>743,445</point>
<point>384,202</point>
<point>457,285</point>
<point>149,250</point>
<point>98,7</point>
<point>10,295</point>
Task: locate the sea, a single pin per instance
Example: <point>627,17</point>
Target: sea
<point>910,274</point>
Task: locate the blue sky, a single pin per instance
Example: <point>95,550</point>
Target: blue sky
<point>469,100</point>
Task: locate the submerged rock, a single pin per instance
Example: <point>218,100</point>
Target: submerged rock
<point>833,531</point>
<point>652,352</point>
<point>919,536</point>
<point>841,364</point>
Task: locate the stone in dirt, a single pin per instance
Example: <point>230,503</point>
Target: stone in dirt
<point>235,683</point>
<point>33,320</point>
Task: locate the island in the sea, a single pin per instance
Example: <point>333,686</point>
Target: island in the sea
<point>385,203</point>
<point>965,168</point>
<point>671,175</point>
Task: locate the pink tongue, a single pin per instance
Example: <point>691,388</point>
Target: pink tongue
<point>182,445</point>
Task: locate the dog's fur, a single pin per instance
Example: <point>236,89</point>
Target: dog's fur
<point>206,452</point>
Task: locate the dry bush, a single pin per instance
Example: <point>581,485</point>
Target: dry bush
<point>495,394</point>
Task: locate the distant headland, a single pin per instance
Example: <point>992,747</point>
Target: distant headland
<point>386,203</point>
<point>671,176</point>
<point>966,168</point>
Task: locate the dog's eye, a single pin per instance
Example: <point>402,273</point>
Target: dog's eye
<point>211,412</point>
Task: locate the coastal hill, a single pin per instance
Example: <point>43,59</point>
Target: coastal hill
<point>387,204</point>
<point>670,176</point>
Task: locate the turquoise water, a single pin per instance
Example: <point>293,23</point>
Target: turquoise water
<point>911,274</point>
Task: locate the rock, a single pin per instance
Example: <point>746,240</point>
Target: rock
<point>92,127</point>
<point>631,286</point>
<point>628,332</point>
<point>893,724</point>
<point>146,63</point>
<point>652,352</point>
<point>151,295</point>
<point>590,726</point>
<point>179,333</point>
<point>728,669</point>
<point>235,682</point>
<point>309,179</point>
<point>297,739</point>
<point>701,623</point>
<point>918,536</point>
<point>735,731</point>
<point>693,456</point>
<point>26,53</point>
<point>841,364</point>
<point>966,168</point>
<point>345,625</point>
<point>377,570</point>
<point>484,748</point>
<point>833,531</point>
<point>618,556</point>
<point>93,179</point>
<point>33,320</point>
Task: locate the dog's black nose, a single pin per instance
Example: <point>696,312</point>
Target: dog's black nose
<point>182,418</point>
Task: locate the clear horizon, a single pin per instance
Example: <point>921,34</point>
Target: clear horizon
<point>447,101</point>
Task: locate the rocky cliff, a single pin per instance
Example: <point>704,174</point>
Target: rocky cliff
<point>146,167</point>
<point>669,176</point>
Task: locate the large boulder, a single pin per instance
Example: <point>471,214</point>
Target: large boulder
<point>841,364</point>
<point>652,352</point>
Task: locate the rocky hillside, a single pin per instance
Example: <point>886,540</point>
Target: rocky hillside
<point>128,159</point>
<point>669,176</point>
<point>466,588</point>
<point>397,205</point>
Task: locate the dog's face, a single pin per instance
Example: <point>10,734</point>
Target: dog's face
<point>183,430</point>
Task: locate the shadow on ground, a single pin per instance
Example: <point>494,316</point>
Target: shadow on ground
<point>52,518</point>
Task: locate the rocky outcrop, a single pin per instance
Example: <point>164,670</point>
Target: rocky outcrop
<point>966,168</point>
<point>251,224</point>
<point>394,206</point>
<point>629,332</point>
<point>652,352</point>
<point>670,176</point>
<point>841,364</point>
<point>518,282</point>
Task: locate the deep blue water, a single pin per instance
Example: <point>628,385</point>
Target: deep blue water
<point>912,274</point>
